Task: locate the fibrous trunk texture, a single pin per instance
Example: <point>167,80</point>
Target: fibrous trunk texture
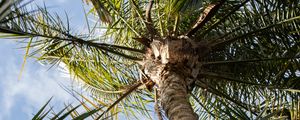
<point>174,97</point>
<point>172,64</point>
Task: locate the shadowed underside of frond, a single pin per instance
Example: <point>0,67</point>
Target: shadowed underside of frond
<point>231,61</point>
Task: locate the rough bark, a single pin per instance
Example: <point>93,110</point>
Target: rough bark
<point>174,97</point>
<point>172,64</point>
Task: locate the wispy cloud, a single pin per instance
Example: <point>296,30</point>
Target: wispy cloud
<point>27,95</point>
<point>20,99</point>
<point>61,1</point>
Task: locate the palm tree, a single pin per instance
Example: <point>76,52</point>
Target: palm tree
<point>212,59</point>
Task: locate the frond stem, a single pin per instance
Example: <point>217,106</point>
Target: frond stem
<point>227,78</point>
<point>130,90</point>
<point>102,46</point>
<point>226,42</point>
<point>207,14</point>
<point>224,18</point>
<point>149,24</point>
<point>253,60</point>
<point>203,106</point>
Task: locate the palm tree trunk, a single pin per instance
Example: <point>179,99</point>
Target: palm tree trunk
<point>174,97</point>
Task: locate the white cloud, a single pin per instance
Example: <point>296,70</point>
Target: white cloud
<point>36,86</point>
<point>61,1</point>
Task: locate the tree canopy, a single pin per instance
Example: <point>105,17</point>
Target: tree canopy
<point>248,65</point>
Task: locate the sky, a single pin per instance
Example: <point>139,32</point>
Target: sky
<point>20,99</point>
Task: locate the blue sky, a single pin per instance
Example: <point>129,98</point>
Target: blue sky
<point>20,99</point>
